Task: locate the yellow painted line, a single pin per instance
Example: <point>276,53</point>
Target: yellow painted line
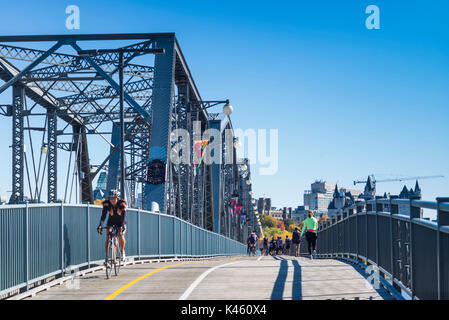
<point>126,286</point>
<point>236,258</point>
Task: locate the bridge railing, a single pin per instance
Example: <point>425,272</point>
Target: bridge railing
<point>411,252</point>
<point>42,242</point>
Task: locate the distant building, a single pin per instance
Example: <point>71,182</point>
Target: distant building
<point>287,213</point>
<point>370,190</point>
<point>409,194</point>
<point>341,200</point>
<point>319,197</point>
<point>264,206</point>
<point>276,213</point>
<point>100,192</point>
<point>300,213</point>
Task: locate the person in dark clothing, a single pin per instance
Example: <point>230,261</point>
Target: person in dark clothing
<point>288,242</point>
<point>115,208</point>
<point>265,246</point>
<point>296,240</point>
<point>280,246</point>
<point>273,246</point>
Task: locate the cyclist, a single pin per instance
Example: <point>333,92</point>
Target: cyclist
<point>310,228</point>
<point>116,208</point>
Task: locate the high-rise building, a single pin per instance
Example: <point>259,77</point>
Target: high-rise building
<point>264,205</point>
<point>319,197</point>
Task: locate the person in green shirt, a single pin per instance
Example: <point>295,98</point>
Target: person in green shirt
<point>310,228</point>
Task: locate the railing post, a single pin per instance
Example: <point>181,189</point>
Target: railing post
<point>62,238</point>
<point>442,220</point>
<point>88,234</point>
<point>377,207</point>
<point>393,210</point>
<point>138,233</point>
<point>357,216</point>
<point>181,222</point>
<point>369,208</point>
<point>27,247</point>
<point>414,213</point>
<point>174,235</point>
<point>159,234</point>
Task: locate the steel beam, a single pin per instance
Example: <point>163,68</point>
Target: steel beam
<point>18,100</point>
<point>52,149</point>
<point>163,92</point>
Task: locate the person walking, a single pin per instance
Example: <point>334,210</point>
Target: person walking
<point>265,246</point>
<point>296,240</point>
<point>288,242</point>
<point>273,243</point>
<point>280,246</point>
<point>310,228</point>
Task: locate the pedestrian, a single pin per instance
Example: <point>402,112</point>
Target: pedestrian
<point>310,228</point>
<point>296,240</point>
<point>287,245</point>
<point>265,246</point>
<point>280,245</point>
<point>273,243</point>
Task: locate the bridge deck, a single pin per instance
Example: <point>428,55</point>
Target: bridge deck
<point>255,278</point>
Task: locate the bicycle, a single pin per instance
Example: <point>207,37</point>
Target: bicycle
<point>252,250</point>
<point>111,256</point>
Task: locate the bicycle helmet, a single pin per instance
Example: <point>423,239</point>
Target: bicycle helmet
<point>114,193</point>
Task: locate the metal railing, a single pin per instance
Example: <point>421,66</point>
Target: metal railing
<point>41,242</point>
<point>411,252</point>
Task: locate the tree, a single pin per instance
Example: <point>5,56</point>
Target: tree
<point>292,227</point>
<point>288,222</point>
<point>268,222</point>
<point>280,225</point>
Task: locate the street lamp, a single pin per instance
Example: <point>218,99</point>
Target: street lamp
<point>227,108</point>
<point>237,143</point>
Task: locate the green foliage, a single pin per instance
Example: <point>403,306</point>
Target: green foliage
<point>292,227</point>
<point>288,222</point>
<point>268,222</point>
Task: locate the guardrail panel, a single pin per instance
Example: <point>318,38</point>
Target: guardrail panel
<point>384,243</point>
<point>167,245</point>
<point>371,245</point>
<point>45,241</point>
<point>149,234</point>
<point>74,236</point>
<point>362,235</point>
<point>97,242</point>
<point>131,235</point>
<point>444,243</point>
<point>353,233</point>
<point>425,257</point>
<point>13,247</point>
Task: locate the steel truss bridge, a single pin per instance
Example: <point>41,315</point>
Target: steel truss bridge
<point>128,92</point>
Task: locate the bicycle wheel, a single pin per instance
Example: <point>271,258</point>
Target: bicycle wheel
<point>118,260</point>
<point>109,259</point>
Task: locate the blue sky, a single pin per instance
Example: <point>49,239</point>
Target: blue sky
<point>347,101</point>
